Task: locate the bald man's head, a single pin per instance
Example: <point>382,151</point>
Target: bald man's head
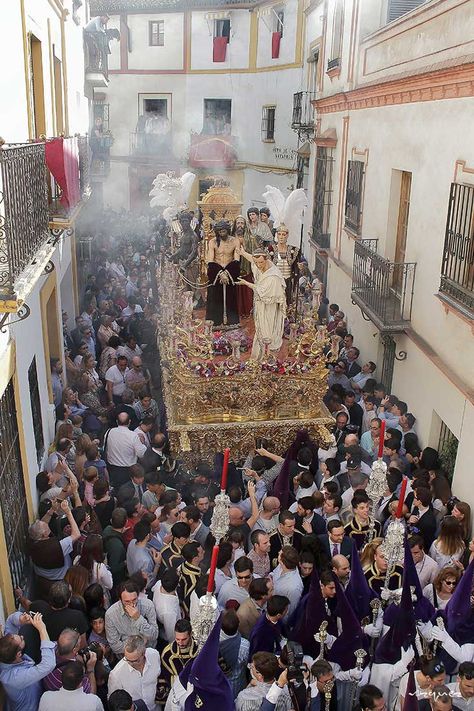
<point>136,362</point>
<point>271,504</point>
<point>351,439</point>
<point>341,566</point>
<point>123,419</point>
<point>236,517</point>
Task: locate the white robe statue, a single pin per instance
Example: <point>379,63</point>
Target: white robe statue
<point>269,309</point>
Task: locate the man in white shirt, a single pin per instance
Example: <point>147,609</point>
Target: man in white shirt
<point>166,602</point>
<point>137,672</point>
<point>115,380</point>
<point>122,449</point>
<point>71,695</point>
<point>286,578</point>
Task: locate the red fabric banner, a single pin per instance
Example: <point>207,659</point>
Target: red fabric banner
<point>219,49</point>
<point>63,164</point>
<point>212,151</point>
<point>276,37</point>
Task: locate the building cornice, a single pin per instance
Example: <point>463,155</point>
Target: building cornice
<point>114,7</point>
<point>451,83</point>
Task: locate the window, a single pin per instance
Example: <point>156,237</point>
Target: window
<point>268,123</point>
<point>222,29</point>
<point>448,449</point>
<point>217,117</point>
<point>100,111</point>
<point>279,21</point>
<point>457,271</point>
<point>36,410</point>
<point>313,74</point>
<point>337,36</point>
<point>322,197</point>
<point>397,8</point>
<point>353,211</point>
<point>36,86</point>
<point>302,166</point>
<point>12,490</point>
<point>156,33</point>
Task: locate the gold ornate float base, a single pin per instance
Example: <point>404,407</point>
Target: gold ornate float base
<point>199,442</point>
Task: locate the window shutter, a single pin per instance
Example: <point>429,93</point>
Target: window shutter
<point>397,8</point>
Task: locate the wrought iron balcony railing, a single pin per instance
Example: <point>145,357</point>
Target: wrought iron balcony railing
<point>382,289</point>
<point>96,60</point>
<point>23,211</point>
<point>303,110</point>
<point>34,208</point>
<point>323,241</point>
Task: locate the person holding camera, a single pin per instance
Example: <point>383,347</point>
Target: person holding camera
<point>68,650</point>
<point>19,675</point>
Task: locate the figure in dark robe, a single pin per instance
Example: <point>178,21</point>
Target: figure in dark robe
<point>223,270</point>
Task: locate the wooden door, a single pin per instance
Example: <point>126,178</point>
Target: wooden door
<point>402,228</point>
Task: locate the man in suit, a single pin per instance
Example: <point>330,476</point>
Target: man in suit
<point>422,516</point>
<point>153,458</point>
<point>192,516</point>
<point>135,486</point>
<point>307,520</point>
<point>335,542</point>
<point>353,367</point>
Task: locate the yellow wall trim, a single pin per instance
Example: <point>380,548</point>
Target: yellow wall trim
<point>26,62</point>
<point>253,40</point>
<point>7,366</point>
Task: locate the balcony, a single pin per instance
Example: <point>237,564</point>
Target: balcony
<point>303,111</point>
<point>96,61</point>
<point>383,290</point>
<point>35,210</point>
<point>212,151</point>
<point>322,241</point>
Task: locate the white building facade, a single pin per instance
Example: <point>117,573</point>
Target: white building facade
<point>42,84</point>
<point>392,176</point>
<point>237,106</point>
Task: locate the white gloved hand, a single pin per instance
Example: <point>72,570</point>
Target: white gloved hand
<point>356,674</point>
<point>329,641</point>
<point>439,634</point>
<point>426,630</point>
<point>314,689</point>
<point>400,668</point>
<point>386,594</point>
<point>372,630</point>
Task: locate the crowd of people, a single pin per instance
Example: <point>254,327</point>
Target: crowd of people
<point>310,612</point>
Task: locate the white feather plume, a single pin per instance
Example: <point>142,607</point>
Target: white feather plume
<point>295,204</point>
<point>275,201</point>
<point>287,212</point>
<point>171,193</point>
<point>187,181</point>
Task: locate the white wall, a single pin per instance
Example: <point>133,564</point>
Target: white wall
<point>142,56</point>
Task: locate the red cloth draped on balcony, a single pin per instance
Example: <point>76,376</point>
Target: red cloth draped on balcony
<point>219,49</point>
<point>212,151</point>
<point>63,163</point>
<point>276,37</point>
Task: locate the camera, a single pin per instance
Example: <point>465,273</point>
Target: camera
<point>295,666</point>
<point>85,652</point>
